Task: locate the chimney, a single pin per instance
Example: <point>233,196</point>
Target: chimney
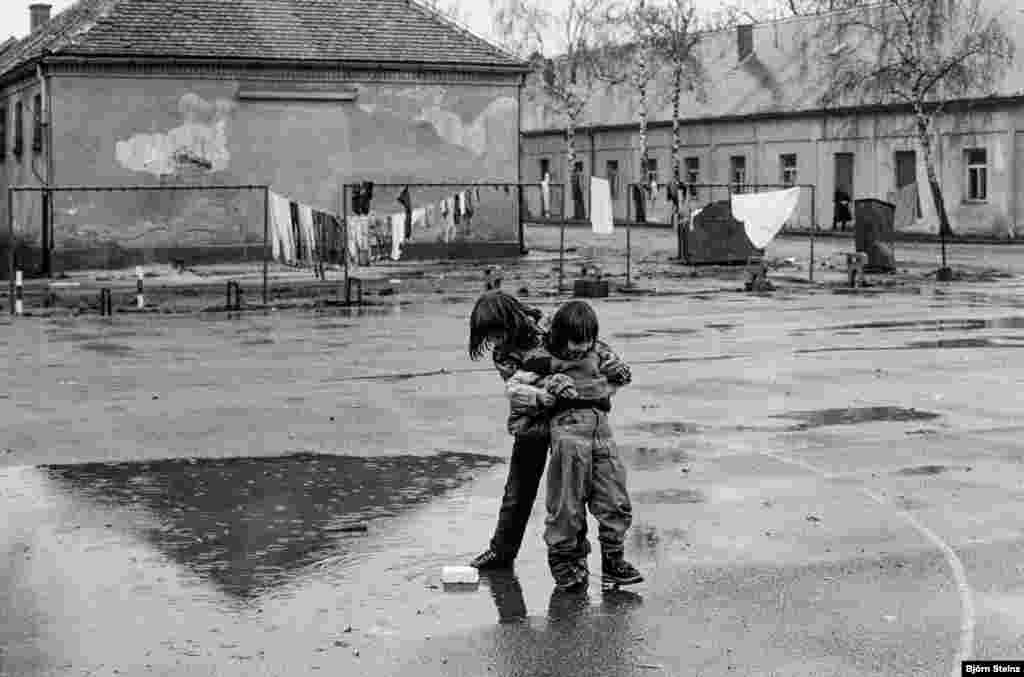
<point>744,40</point>
<point>39,13</point>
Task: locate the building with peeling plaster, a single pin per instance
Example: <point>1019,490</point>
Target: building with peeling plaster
<point>303,95</point>
<point>762,121</point>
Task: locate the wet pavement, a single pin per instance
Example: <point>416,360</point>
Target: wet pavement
<point>823,484</point>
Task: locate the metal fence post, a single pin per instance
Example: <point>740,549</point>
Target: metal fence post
<point>266,240</point>
<point>10,244</point>
<point>345,235</point>
<point>810,268</point>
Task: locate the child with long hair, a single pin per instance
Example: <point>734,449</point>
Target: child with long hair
<point>574,375</point>
<point>510,329</point>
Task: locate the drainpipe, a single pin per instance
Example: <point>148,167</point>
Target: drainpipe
<point>47,140</point>
<point>593,172</point>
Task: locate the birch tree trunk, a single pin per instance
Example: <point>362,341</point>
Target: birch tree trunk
<point>924,136</point>
<point>677,88</point>
<point>644,154</point>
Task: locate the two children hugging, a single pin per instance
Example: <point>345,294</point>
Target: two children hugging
<point>572,375</point>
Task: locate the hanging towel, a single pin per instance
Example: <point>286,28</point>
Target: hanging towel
<point>601,206</point>
<point>419,218</point>
<point>428,219</point>
<point>281,216</point>
<point>405,201</point>
<point>275,228</point>
<point>469,204</point>
<point>763,214</point>
<point>308,233</point>
<point>397,235</point>
<point>545,195</point>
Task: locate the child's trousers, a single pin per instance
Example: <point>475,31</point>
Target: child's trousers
<point>584,471</point>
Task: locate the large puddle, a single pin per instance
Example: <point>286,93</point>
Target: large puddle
<point>973,324</point>
<point>246,524</point>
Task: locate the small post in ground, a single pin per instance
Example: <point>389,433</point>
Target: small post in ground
<point>19,294</point>
<point>140,300</point>
<point>106,302</point>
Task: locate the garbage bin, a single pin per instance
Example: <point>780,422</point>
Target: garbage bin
<point>874,233</point>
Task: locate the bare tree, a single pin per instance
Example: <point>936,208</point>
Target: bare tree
<point>451,9</point>
<point>575,52</point>
<point>922,54</point>
<point>670,32</point>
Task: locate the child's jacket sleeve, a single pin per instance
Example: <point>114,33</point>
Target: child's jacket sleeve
<point>612,366</point>
<point>523,389</point>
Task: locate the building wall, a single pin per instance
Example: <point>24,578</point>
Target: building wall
<point>167,128</point>
<point>873,139</point>
<point>23,170</point>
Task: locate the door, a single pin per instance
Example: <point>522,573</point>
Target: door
<point>906,173</point>
<point>843,199</point>
<point>578,210</point>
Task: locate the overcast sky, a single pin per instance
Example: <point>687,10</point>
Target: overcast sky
<point>14,15</point>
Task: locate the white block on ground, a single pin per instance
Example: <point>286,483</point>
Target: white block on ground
<point>459,574</point>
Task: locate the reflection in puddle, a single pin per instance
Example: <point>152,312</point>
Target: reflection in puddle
<point>247,523</point>
<point>854,415</point>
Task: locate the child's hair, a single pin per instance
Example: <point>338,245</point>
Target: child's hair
<point>497,311</point>
<point>575,321</point>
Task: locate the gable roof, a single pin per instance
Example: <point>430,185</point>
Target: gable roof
<point>329,31</point>
<point>787,72</point>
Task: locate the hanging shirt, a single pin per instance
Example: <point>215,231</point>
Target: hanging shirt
<point>419,218</point>
<point>308,233</point>
<point>281,215</point>
<point>545,195</point>
<point>405,201</point>
<point>601,221</point>
<point>763,214</point>
<point>397,235</point>
<point>640,204</point>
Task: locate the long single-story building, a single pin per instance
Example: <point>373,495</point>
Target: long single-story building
<point>302,96</point>
<point>762,122</point>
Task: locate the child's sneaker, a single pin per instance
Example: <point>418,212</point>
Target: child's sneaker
<point>615,570</point>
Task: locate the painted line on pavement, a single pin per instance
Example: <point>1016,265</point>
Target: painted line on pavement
<point>967,611</point>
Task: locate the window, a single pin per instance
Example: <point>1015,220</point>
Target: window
<point>651,170</point>
<point>19,123</point>
<point>692,174</point>
<point>3,132</point>
<point>37,123</point>
<point>976,161</point>
<point>738,171</point>
<point>545,167</point>
<point>787,169</point>
<point>611,170</point>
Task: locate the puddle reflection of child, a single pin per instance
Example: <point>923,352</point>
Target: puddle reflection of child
<point>575,375</point>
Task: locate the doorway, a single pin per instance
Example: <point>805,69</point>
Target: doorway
<point>842,214</point>
<point>906,173</point>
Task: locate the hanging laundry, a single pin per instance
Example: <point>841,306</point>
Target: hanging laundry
<point>429,216</point>
<point>545,196</point>
<point>275,233</point>
<point>639,204</point>
<point>456,209</point>
<point>397,235</point>
<point>419,218</point>
<point>469,204</point>
<point>405,201</point>
<point>763,214</point>
<point>673,193</point>
<point>308,233</point>
<point>358,227</point>
<point>601,221</point>
<point>281,218</point>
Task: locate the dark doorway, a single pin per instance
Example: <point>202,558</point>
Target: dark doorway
<point>843,207</point>
<point>906,172</point>
<point>579,211</point>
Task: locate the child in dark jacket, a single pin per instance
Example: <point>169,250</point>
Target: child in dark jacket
<point>575,374</point>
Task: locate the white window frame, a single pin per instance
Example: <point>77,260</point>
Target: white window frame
<point>978,171</point>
